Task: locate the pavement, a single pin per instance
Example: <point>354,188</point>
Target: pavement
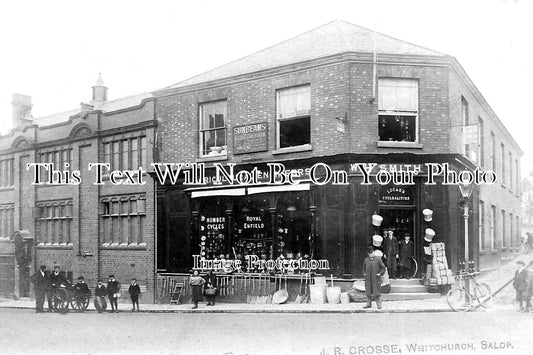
<point>503,300</point>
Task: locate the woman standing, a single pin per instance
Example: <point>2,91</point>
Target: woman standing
<point>210,289</point>
<point>196,282</point>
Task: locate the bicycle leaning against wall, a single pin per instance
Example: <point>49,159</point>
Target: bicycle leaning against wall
<point>461,299</point>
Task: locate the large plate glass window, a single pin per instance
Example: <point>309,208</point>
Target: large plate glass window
<point>293,116</point>
<point>213,128</point>
<point>398,110</point>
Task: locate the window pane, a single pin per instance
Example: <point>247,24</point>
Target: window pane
<point>142,156</point>
<point>134,154</point>
<point>115,231</point>
<point>124,229</point>
<point>213,115</point>
<point>141,228</point>
<point>295,132</point>
<point>115,206</point>
<point>294,102</point>
<point>107,153</point>
<point>134,231</point>
<point>116,156</point>
<point>398,95</point>
<point>125,155</point>
<point>397,128</point>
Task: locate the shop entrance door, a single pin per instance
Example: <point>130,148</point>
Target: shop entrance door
<point>399,221</point>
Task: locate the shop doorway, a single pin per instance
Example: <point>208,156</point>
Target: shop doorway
<point>399,221</point>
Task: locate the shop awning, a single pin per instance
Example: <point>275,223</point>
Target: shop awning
<point>279,188</point>
<point>218,192</point>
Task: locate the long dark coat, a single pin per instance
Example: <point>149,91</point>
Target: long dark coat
<point>373,266</point>
<point>521,283</point>
<point>391,250</point>
<point>406,252</point>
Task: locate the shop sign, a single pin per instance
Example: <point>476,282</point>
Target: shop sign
<point>396,195</point>
<point>250,138</point>
<point>253,222</point>
<point>213,223</point>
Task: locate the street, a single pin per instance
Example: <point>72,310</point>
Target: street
<point>25,332</point>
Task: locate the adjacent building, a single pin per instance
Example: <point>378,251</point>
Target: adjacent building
<point>86,229</point>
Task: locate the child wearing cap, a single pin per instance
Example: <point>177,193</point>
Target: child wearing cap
<point>100,292</point>
<point>134,290</point>
<point>522,285</point>
<point>113,289</point>
<point>82,290</point>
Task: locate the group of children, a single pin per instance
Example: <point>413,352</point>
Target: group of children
<point>45,281</point>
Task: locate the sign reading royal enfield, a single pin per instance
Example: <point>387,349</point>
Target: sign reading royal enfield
<point>250,138</point>
<point>396,195</point>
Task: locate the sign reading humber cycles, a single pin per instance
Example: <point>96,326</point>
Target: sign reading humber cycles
<point>250,138</point>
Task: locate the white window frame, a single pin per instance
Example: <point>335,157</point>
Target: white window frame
<point>415,114</point>
<point>296,116</point>
<point>224,149</point>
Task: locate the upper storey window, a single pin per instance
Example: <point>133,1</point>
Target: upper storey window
<point>213,128</point>
<point>398,110</point>
<point>293,116</point>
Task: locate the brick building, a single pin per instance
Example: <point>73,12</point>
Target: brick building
<point>86,229</point>
<point>315,99</point>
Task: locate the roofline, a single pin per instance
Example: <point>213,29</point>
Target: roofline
<point>302,34</point>
<point>365,57</point>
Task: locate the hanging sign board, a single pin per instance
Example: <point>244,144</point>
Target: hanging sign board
<point>250,138</point>
<point>396,195</point>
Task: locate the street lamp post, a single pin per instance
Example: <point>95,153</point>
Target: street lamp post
<point>466,191</point>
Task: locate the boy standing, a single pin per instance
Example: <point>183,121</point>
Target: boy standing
<point>113,288</point>
<point>134,291</point>
<point>99,296</point>
<point>373,269</point>
<point>521,284</point>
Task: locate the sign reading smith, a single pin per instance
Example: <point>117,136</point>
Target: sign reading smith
<point>250,138</point>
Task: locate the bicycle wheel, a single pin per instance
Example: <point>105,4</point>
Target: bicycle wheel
<point>458,300</point>
<point>483,295</point>
<point>414,268</point>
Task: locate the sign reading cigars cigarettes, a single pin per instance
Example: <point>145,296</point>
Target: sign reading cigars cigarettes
<point>250,138</point>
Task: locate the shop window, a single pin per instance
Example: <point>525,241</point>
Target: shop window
<point>7,172</point>
<point>213,128</point>
<point>54,222</point>
<point>293,116</point>
<point>398,110</point>
<point>123,220</point>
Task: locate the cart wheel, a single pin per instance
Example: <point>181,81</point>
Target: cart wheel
<point>79,304</point>
<point>60,300</point>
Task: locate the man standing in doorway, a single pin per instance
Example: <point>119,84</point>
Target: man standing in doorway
<point>391,254</point>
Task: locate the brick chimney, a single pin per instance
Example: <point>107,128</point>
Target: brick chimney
<point>21,109</point>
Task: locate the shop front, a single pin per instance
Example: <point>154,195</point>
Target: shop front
<point>275,229</point>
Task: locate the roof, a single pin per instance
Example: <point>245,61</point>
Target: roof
<point>332,38</point>
<point>107,106</point>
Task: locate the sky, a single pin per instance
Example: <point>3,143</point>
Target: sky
<point>54,50</point>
